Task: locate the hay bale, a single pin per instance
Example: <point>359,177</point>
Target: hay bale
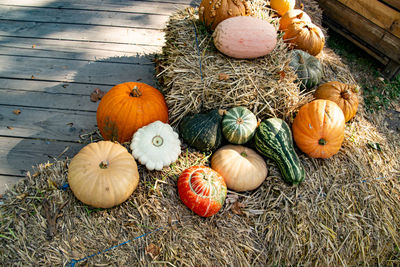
<point>344,213</point>
<point>265,85</point>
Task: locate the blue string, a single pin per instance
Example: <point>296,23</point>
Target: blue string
<point>73,261</point>
<point>198,50</point>
<point>64,186</point>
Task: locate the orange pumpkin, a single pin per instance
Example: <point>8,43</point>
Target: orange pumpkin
<point>344,95</point>
<point>318,129</point>
<point>127,107</point>
<point>212,12</point>
<point>305,36</point>
<point>294,15</point>
<point>282,6</point>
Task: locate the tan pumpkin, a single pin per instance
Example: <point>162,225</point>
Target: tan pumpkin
<point>318,128</point>
<point>245,37</point>
<point>242,168</point>
<point>344,95</point>
<point>294,15</point>
<point>282,6</point>
<point>305,36</point>
<point>103,174</point>
<point>212,12</point>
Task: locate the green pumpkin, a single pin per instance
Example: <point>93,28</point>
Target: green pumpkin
<point>273,139</point>
<point>307,67</point>
<point>239,125</point>
<point>202,131</point>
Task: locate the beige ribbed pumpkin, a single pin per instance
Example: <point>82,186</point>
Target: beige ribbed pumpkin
<point>103,174</point>
<point>243,169</point>
<point>294,15</point>
<point>305,36</point>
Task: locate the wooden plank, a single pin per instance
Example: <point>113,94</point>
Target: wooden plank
<point>391,69</point>
<point>18,155</point>
<point>72,49</point>
<point>392,3</point>
<point>104,34</point>
<point>51,124</point>
<point>385,42</point>
<point>84,17</point>
<point>65,101</point>
<point>55,87</point>
<point>7,182</point>
<point>160,7</point>
<point>100,72</point>
<point>379,13</point>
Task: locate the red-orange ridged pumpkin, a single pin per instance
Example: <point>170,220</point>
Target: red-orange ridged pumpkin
<point>202,190</point>
<point>127,107</point>
<point>345,95</point>
<point>318,128</point>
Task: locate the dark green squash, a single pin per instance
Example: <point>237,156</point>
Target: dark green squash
<point>239,125</point>
<point>307,67</point>
<point>202,131</point>
<point>273,139</point>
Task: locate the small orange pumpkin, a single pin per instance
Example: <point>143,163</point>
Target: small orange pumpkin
<point>305,36</point>
<point>212,12</point>
<point>282,6</point>
<point>318,128</point>
<point>344,95</point>
<point>292,16</point>
<point>127,107</point>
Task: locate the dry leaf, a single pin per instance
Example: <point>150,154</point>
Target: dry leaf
<point>9,127</point>
<point>33,77</point>
<point>237,208</point>
<point>17,111</point>
<point>96,95</point>
<point>282,75</point>
<point>223,76</point>
<point>153,250</point>
<point>22,196</point>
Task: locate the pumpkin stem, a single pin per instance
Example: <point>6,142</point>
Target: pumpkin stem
<point>222,112</point>
<point>157,141</point>
<point>135,92</point>
<point>355,88</point>
<point>103,164</point>
<point>301,59</point>
<point>239,121</point>
<point>321,142</point>
<point>345,94</point>
<point>243,154</point>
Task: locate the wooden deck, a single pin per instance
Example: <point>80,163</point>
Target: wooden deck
<point>53,54</point>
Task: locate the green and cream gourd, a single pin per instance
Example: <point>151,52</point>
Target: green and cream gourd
<point>273,139</point>
<point>239,125</point>
<point>202,131</point>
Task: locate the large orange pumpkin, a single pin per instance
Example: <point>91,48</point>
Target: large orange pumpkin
<point>293,15</point>
<point>318,128</point>
<point>305,36</point>
<point>127,107</point>
<point>344,95</point>
<point>212,12</point>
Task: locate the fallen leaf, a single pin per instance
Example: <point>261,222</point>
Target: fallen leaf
<point>153,250</point>
<point>223,76</point>
<point>9,127</point>
<point>282,75</point>
<point>96,95</point>
<point>237,208</point>
<point>17,111</point>
<point>22,196</point>
<point>33,77</point>
<point>375,146</point>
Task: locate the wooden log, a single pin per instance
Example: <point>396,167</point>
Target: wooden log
<point>377,12</point>
<point>393,3</point>
<point>376,37</point>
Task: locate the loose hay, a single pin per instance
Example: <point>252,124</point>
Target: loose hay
<point>345,213</point>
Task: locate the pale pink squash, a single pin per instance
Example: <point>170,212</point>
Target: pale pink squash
<point>245,37</point>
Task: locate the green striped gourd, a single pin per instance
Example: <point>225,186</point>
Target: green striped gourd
<point>239,125</point>
<point>273,139</point>
<point>202,131</point>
